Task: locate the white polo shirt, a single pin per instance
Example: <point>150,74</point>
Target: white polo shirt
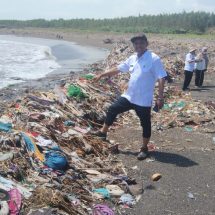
<point>200,65</point>
<point>144,71</point>
<point>189,66</point>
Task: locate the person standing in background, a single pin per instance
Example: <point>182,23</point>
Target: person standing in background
<point>199,69</point>
<point>205,56</point>
<point>189,68</point>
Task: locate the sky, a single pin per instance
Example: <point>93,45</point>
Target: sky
<point>68,9</point>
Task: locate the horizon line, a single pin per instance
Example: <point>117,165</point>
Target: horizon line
<point>122,17</point>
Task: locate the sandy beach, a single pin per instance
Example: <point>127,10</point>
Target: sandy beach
<point>185,158</point>
<point>83,38</point>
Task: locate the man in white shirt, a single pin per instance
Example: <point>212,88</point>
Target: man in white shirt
<point>145,70</point>
<point>189,68</point>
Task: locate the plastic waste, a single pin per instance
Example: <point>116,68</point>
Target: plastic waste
<point>74,91</point>
<point>6,156</point>
<point>176,105</point>
<point>15,201</point>
<point>5,126</point>
<point>103,191</point>
<point>88,76</point>
<point>69,123</point>
<point>115,190</point>
<point>4,208</point>
<point>102,210</point>
<point>73,199</point>
<point>44,142</point>
<point>188,129</point>
<point>60,94</point>
<point>56,160</point>
<point>190,195</point>
<point>32,147</point>
<point>127,199</point>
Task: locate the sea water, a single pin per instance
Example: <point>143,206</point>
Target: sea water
<point>21,61</point>
<point>28,58</point>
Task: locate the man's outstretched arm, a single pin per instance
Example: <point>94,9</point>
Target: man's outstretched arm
<point>110,72</point>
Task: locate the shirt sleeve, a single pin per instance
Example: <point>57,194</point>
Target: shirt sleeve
<point>159,70</point>
<point>124,66</point>
<point>188,57</point>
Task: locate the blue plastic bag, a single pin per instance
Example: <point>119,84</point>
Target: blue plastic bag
<point>103,191</point>
<point>28,142</point>
<point>56,160</point>
<point>5,126</point>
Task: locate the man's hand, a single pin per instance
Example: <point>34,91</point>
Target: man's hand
<point>110,73</point>
<point>160,100</point>
<point>160,103</point>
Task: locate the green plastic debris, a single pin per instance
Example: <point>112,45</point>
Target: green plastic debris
<point>88,76</point>
<point>74,91</point>
<point>176,105</point>
<point>103,191</point>
<point>188,129</point>
<point>181,104</point>
<point>166,107</point>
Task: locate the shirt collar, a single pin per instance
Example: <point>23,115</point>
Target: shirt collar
<point>145,54</point>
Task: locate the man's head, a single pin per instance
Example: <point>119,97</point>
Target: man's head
<point>140,43</point>
<point>204,50</point>
<point>192,50</point>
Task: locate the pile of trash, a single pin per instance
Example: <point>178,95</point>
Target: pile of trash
<point>119,53</point>
<point>180,110</point>
<point>50,161</point>
<point>174,66</point>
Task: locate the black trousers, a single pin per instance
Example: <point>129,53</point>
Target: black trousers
<point>123,105</point>
<point>202,77</point>
<point>199,77</point>
<point>187,79</point>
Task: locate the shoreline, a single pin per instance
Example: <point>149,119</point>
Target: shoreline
<point>84,39</point>
<point>48,82</point>
<point>166,47</point>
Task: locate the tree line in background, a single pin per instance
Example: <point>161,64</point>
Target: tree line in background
<point>185,22</point>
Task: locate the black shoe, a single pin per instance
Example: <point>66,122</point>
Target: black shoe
<point>143,154</point>
<point>186,89</point>
<point>101,135</point>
